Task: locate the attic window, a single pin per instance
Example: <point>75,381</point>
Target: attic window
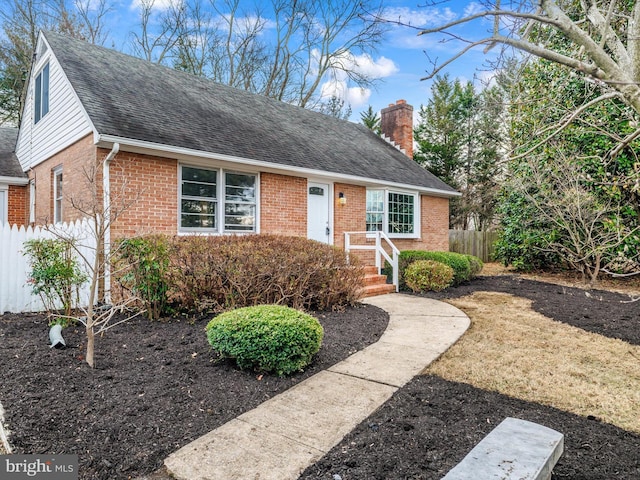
<point>41,104</point>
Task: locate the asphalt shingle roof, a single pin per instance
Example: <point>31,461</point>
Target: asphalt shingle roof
<point>131,98</point>
<point>9,165</point>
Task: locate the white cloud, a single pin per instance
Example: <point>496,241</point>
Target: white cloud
<point>365,65</point>
<point>420,18</point>
<point>355,97</point>
<point>157,5</point>
<point>337,84</point>
<point>473,8</point>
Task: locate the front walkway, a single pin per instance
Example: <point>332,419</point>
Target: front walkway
<point>280,438</point>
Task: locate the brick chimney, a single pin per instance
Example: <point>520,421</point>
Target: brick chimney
<point>396,123</point>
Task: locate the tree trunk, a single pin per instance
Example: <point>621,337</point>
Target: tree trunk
<point>90,346</point>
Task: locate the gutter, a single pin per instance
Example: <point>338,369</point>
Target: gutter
<point>183,154</point>
<point>14,180</point>
<point>106,214</point>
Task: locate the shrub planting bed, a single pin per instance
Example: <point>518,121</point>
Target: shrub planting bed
<point>156,387</point>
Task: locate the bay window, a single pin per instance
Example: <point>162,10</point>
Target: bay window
<point>217,201</point>
<point>392,212</point>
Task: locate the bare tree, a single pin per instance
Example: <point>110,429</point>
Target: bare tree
<point>155,45</point>
<point>599,40</point>
<point>287,54</point>
<point>101,209</point>
<point>585,225</point>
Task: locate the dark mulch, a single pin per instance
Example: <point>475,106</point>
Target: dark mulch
<point>606,313</point>
<point>156,387</point>
<point>429,425</point>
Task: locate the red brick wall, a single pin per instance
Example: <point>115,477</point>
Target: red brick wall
<point>283,205</point>
<point>144,189</point>
<point>350,217</point>
<point>77,162</point>
<point>18,205</point>
<point>434,226</point>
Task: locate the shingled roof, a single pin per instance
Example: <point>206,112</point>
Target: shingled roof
<point>9,165</point>
<point>130,98</point>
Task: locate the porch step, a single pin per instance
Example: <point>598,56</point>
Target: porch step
<point>375,284</point>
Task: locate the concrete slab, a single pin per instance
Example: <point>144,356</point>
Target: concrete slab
<point>286,434</point>
<point>402,304</point>
<point>239,450</point>
<point>386,363</point>
<point>432,332</point>
<point>516,449</point>
<point>320,411</point>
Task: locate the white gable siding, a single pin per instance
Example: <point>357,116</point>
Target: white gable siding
<point>64,124</point>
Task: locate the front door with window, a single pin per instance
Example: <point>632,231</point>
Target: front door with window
<point>318,222</point>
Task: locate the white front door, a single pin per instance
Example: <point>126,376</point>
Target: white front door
<point>318,226</point>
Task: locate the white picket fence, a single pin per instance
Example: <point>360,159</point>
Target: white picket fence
<point>15,291</point>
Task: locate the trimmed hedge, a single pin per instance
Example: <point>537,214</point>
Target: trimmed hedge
<point>217,273</point>
<point>426,275</point>
<point>457,261</point>
<point>267,338</point>
<point>476,265</point>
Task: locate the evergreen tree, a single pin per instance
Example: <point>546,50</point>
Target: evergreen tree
<point>371,120</point>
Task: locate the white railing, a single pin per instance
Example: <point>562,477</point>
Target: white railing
<point>378,247</point>
<point>15,291</point>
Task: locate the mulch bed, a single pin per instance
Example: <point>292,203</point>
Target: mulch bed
<point>429,425</point>
<point>157,387</point>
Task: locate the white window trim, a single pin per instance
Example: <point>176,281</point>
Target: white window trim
<point>57,211</point>
<point>32,201</point>
<point>39,115</point>
<point>220,192</point>
<point>4,214</point>
<point>417,210</point>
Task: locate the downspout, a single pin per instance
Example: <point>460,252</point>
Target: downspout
<point>106,213</point>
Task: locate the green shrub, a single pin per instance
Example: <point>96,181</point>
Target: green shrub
<point>457,261</point>
<point>145,263</point>
<point>217,273</point>
<point>426,275</point>
<point>55,274</point>
<point>268,338</point>
<point>476,265</point>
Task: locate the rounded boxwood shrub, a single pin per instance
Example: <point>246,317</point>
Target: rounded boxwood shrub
<point>476,265</point>
<point>267,338</point>
<point>425,275</point>
<point>457,261</point>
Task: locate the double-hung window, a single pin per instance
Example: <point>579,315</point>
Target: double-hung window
<point>217,201</point>
<point>392,212</point>
<point>41,103</point>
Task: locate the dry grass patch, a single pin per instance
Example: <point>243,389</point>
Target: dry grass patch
<point>513,350</point>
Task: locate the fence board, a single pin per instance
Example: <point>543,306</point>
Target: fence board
<point>15,291</point>
<point>473,242</point>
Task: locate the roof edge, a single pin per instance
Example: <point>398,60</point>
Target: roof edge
<point>102,140</point>
<point>14,180</point>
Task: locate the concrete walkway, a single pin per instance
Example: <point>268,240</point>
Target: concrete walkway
<point>289,432</point>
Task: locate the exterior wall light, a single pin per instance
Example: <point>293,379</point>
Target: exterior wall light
<point>342,200</point>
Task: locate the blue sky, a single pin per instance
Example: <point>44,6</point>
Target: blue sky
<point>399,63</point>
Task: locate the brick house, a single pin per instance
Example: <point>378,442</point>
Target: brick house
<point>187,155</point>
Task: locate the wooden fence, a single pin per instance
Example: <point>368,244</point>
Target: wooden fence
<point>15,291</point>
<point>472,242</point>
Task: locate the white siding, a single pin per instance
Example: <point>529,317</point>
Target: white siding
<point>66,122</point>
